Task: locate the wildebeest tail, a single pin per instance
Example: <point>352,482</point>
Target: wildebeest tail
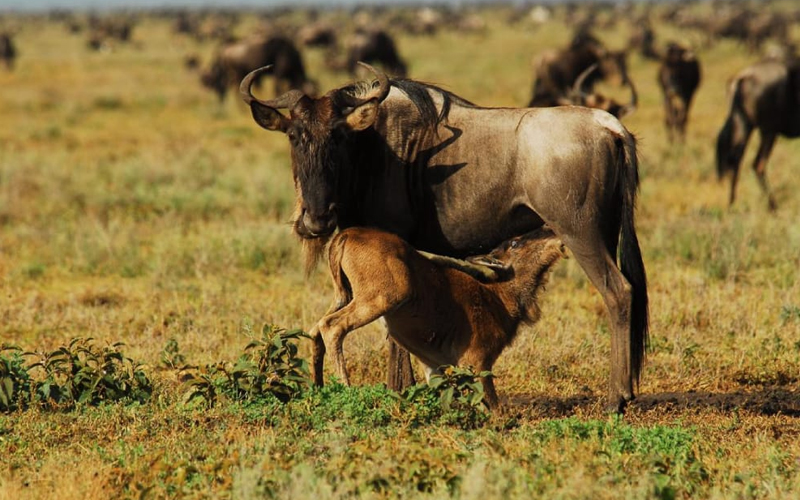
<point>630,256</point>
<point>726,156</point>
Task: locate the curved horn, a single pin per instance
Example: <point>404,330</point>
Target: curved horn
<point>631,106</point>
<point>577,87</point>
<point>285,101</point>
<point>379,93</point>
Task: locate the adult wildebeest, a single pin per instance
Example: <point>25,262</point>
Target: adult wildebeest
<point>318,34</point>
<point>442,315</point>
<point>235,60</point>
<point>558,70</point>
<point>643,39</point>
<point>764,96</point>
<point>8,52</point>
<point>454,178</point>
<point>374,46</point>
<point>678,77</point>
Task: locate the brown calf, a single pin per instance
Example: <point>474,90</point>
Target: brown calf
<point>437,312</point>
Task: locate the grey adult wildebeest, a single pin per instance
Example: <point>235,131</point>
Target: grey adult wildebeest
<point>456,179</point>
<point>764,96</point>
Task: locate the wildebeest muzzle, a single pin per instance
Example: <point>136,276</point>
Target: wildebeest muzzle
<point>316,225</point>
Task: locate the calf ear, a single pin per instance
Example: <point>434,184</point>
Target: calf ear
<point>269,118</point>
<point>491,262</point>
<point>363,116</point>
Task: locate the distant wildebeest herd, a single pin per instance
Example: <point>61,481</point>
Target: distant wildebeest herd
<point>399,181</point>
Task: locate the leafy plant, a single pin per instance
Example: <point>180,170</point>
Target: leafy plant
<point>15,382</point>
<point>454,397</point>
<point>81,372</point>
<point>269,367</point>
<point>171,356</point>
<point>789,313</point>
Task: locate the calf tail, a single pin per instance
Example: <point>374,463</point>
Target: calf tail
<point>630,256</point>
<point>344,291</point>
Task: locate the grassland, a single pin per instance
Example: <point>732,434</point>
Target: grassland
<point>134,208</point>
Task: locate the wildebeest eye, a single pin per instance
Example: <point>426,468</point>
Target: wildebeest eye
<point>515,243</point>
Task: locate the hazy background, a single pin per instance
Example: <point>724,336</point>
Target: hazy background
<point>38,5</point>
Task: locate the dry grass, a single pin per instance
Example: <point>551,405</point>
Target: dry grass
<point>134,208</point>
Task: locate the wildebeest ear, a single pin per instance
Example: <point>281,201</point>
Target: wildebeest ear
<point>269,118</point>
<point>363,116</point>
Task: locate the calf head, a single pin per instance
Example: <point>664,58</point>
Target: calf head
<point>533,252</point>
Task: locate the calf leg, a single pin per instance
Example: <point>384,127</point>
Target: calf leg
<point>490,395</point>
<point>760,165</point>
<point>354,315</point>
<point>401,373</point>
<point>318,356</point>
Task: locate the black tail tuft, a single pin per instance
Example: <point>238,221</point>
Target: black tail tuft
<point>631,263</point>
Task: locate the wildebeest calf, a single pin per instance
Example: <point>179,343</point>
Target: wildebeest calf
<point>439,313</point>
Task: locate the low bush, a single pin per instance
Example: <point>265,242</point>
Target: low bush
<point>77,373</point>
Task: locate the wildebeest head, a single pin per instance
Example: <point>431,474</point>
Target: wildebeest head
<point>317,130</point>
<point>579,97</point>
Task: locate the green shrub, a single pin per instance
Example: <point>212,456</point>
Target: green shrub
<point>454,397</point>
<point>82,373</point>
<point>15,382</point>
<point>269,368</point>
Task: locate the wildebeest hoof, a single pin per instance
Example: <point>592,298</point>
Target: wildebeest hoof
<point>616,406</point>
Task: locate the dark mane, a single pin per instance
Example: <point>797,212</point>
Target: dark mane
<point>417,93</point>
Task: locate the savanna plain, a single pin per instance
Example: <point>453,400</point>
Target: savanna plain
<point>137,209</point>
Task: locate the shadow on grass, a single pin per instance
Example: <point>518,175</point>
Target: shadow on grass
<point>765,401</point>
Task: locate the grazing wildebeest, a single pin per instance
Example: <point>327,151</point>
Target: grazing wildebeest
<point>558,70</point>
<point>598,101</point>
<point>374,46</point>
<point>440,314</point>
<point>318,34</point>
<point>678,77</point>
<point>764,96</point>
<point>643,39</point>
<point>8,52</point>
<point>235,60</point>
<point>456,179</point>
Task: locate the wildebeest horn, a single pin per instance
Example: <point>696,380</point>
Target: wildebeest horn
<point>630,107</point>
<point>285,101</point>
<point>577,88</point>
<point>379,93</point>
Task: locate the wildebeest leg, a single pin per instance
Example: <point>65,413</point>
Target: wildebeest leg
<point>337,325</point>
<point>680,117</point>
<point>401,374</point>
<point>597,260</point>
<point>490,395</point>
<point>318,355</point>
<point>354,315</point>
<point>669,117</point>
<point>739,135</point>
<point>429,371</point>
<point>760,164</point>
